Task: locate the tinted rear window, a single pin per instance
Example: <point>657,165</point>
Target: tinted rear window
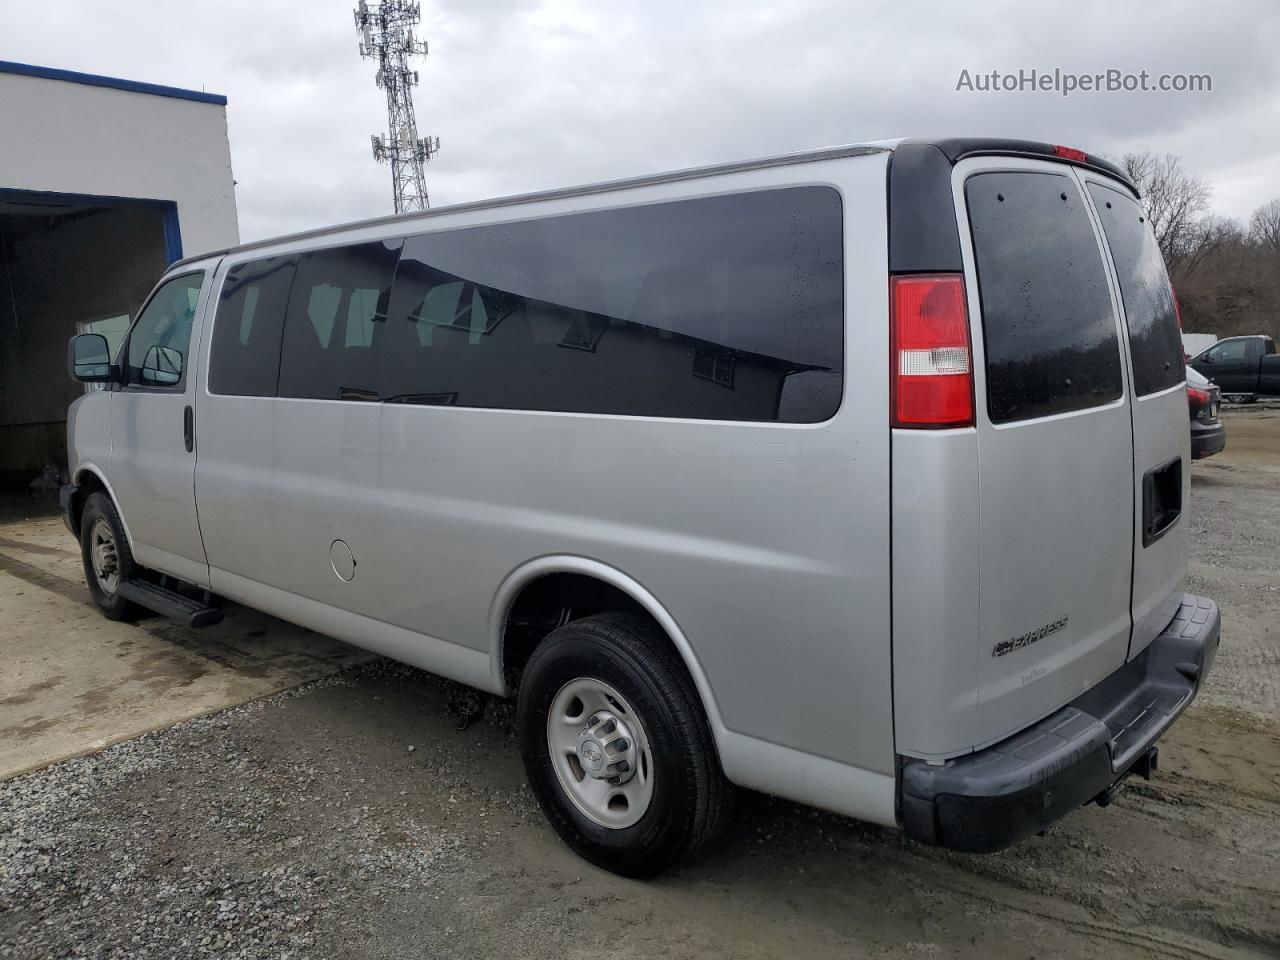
<point>1048,327</point>
<point>726,308</point>
<point>1154,340</point>
<point>245,356</point>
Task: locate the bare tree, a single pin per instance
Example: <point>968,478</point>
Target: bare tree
<point>1175,200</point>
<point>1264,225</point>
<point>1205,241</point>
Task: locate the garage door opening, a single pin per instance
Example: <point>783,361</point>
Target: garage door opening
<point>68,264</point>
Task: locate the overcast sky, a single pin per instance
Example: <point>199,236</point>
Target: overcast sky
<point>528,95</point>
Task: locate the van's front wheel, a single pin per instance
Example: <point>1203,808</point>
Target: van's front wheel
<point>107,559</point>
<point>616,746</point>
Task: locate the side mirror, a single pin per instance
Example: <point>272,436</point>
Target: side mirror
<point>1204,359</point>
<point>89,358</point>
<point>162,366</point>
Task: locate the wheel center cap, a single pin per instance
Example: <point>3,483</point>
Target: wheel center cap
<point>591,755</point>
<point>606,748</point>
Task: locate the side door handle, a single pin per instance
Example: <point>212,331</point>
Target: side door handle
<point>189,428</point>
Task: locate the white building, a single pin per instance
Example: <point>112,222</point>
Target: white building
<point>1196,343</point>
<point>103,183</point>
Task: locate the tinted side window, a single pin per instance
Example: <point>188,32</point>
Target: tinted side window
<point>332,327</point>
<point>721,308</point>
<point>1154,340</point>
<point>1231,350</point>
<point>1047,321</point>
<point>245,352</point>
<point>161,339</point>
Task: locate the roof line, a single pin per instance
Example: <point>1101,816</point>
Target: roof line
<point>115,83</point>
<point>691,173</point>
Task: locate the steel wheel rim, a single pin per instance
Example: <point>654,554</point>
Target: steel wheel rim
<point>570,735</point>
<point>103,556</point>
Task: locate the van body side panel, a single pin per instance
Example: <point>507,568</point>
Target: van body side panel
<point>324,488</point>
<point>766,542</point>
<point>234,487</point>
<point>446,659</point>
<point>936,527</point>
<point>89,436</point>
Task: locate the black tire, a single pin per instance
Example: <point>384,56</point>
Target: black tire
<point>691,799</point>
<point>113,606</point>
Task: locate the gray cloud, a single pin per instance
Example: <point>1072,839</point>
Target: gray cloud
<point>532,95</point>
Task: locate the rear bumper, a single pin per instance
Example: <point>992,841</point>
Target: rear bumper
<point>993,798</point>
<point>1207,439</point>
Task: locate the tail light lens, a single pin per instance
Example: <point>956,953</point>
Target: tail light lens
<point>1071,153</point>
<point>931,371</point>
<point>1201,403</point>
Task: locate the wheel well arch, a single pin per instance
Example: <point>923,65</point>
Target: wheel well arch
<point>543,593</point>
<point>87,482</point>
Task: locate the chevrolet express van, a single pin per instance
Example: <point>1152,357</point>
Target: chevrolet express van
<point>857,477</point>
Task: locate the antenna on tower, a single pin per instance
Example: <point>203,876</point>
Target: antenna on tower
<point>386,35</point>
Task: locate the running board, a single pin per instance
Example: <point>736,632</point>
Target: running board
<point>171,604</point>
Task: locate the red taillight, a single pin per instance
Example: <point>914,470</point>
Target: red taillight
<point>1071,153</point>
<point>931,369</point>
<point>1177,307</point>
<point>1197,398</point>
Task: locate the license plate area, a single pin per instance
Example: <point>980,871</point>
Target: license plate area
<point>1161,500</point>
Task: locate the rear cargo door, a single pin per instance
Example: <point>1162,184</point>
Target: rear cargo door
<point>1055,444</point>
<point>1162,443</point>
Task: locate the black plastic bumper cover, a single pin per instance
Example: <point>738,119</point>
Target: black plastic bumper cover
<point>1207,439</point>
<point>67,494</point>
<point>993,798</point>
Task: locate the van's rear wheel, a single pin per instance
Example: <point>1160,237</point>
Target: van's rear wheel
<point>107,559</point>
<point>616,746</point>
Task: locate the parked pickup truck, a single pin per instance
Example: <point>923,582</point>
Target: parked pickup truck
<point>1243,367</point>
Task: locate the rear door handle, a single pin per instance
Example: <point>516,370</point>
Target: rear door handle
<point>189,428</point>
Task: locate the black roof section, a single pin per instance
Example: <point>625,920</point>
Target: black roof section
<point>957,148</point>
<point>923,234</point>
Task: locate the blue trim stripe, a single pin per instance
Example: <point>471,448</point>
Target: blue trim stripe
<point>115,83</point>
<point>172,235</point>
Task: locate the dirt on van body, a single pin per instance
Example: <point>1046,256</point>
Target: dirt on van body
<point>350,817</point>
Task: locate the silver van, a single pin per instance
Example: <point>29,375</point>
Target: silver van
<point>856,477</point>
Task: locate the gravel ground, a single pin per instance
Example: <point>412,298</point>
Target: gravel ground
<point>1235,558</point>
<point>351,817</point>
<point>134,885</point>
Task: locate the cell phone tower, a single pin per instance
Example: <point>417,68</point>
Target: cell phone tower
<point>386,35</point>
